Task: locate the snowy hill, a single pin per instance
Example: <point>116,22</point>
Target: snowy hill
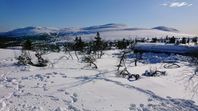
<point>105,27</point>
<point>135,33</point>
<point>29,31</point>
<point>108,31</point>
<point>163,28</point>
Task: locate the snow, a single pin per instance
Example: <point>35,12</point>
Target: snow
<point>108,32</point>
<point>69,85</point>
<point>162,47</point>
<point>133,34</point>
<point>29,31</point>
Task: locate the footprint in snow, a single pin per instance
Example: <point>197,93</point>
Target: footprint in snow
<point>45,87</point>
<point>61,73</point>
<point>48,74</point>
<point>60,90</point>
<point>53,98</point>
<point>150,99</point>
<point>73,108</point>
<point>66,93</point>
<point>74,99</point>
<point>35,108</point>
<point>132,107</point>
<point>75,95</point>
<point>55,73</point>
<point>60,109</point>
<point>64,76</point>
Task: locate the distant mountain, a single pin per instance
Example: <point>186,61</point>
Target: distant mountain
<point>108,31</point>
<point>29,31</point>
<point>105,27</point>
<point>163,28</point>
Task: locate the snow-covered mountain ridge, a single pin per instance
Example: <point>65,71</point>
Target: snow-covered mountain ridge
<point>110,31</point>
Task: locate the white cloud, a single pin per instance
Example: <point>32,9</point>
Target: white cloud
<point>177,4</point>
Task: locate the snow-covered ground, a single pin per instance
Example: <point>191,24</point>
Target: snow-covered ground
<point>71,86</point>
<point>163,47</point>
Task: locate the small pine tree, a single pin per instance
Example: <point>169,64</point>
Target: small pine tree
<point>188,40</point>
<point>98,45</point>
<point>194,40</point>
<point>27,45</point>
<point>183,40</point>
<point>68,48</point>
<point>24,58</point>
<point>172,40</point>
<point>41,61</point>
<point>154,40</point>
<point>167,39</point>
<point>122,44</point>
<point>78,46</point>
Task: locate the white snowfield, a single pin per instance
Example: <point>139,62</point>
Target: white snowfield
<point>162,47</point>
<point>72,86</point>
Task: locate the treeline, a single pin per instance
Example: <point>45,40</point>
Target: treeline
<point>9,41</point>
<point>90,51</point>
<point>78,44</point>
<point>96,45</point>
<point>84,51</point>
<point>171,40</point>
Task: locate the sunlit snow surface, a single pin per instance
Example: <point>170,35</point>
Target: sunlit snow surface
<point>71,86</point>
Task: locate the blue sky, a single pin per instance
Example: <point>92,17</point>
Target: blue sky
<point>180,14</point>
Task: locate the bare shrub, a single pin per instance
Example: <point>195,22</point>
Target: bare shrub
<point>24,58</point>
<point>41,61</point>
<point>90,59</point>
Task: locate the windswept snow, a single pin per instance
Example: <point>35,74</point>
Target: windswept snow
<point>69,85</point>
